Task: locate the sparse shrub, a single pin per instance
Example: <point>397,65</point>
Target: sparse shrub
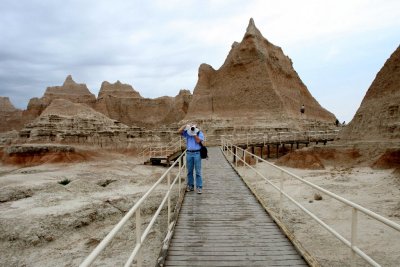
<point>317,196</point>
<point>105,182</point>
<point>64,181</point>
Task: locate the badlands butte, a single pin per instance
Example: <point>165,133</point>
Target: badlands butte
<point>255,88</point>
<point>94,142</point>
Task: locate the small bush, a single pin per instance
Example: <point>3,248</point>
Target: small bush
<point>106,182</point>
<point>64,181</point>
<point>317,196</point>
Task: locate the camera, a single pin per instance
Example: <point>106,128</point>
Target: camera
<point>192,129</point>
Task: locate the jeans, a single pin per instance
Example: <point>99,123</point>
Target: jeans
<point>193,161</point>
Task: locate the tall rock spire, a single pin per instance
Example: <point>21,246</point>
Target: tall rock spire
<point>252,29</point>
<point>257,82</point>
<point>378,117</point>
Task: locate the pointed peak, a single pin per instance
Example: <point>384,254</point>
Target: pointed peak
<point>6,105</point>
<point>69,80</point>
<point>252,29</point>
<point>251,22</point>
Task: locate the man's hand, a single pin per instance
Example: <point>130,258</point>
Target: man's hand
<point>183,128</point>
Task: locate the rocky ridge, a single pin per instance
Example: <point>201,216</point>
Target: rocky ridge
<point>73,123</point>
<point>257,84</point>
<point>11,117</point>
<point>378,117</point>
<point>70,90</point>
<point>256,89</point>
<point>121,102</point>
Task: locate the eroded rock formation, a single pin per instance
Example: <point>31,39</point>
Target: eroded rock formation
<point>73,123</point>
<point>378,117</point>
<point>70,90</point>
<point>11,117</point>
<point>257,83</point>
<point>121,102</point>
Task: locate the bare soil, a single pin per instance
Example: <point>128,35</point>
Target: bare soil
<point>45,223</point>
<point>376,190</point>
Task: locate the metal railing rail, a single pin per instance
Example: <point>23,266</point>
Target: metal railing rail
<point>162,150</point>
<point>279,137</point>
<point>141,237</point>
<point>352,244</point>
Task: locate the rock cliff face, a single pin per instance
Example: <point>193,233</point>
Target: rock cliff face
<point>378,117</point>
<point>121,102</point>
<point>11,117</point>
<point>73,123</point>
<point>256,81</point>
<point>70,90</point>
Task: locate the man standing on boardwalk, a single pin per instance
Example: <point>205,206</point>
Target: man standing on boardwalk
<point>193,138</point>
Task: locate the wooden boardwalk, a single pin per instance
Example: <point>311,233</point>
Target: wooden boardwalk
<point>226,226</point>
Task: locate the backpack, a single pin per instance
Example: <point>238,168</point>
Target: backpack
<point>203,150</point>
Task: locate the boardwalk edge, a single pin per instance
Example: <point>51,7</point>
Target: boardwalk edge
<point>167,240</point>
<point>311,260</point>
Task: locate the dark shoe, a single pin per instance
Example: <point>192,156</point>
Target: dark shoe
<point>189,188</point>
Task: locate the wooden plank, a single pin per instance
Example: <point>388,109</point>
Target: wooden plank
<point>233,264</point>
<point>226,225</point>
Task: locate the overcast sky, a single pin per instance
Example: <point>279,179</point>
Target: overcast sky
<point>337,47</point>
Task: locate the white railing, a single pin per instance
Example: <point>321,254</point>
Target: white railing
<point>162,151</point>
<point>281,137</point>
<point>240,154</point>
<point>141,236</point>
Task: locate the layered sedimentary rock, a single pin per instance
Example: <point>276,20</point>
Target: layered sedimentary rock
<point>121,102</point>
<point>378,117</point>
<point>73,123</point>
<point>257,82</point>
<point>11,117</point>
<point>70,90</point>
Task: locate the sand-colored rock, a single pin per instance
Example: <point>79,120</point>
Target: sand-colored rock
<point>117,89</point>
<point>122,103</point>
<point>11,117</point>
<point>6,105</point>
<point>70,90</point>
<point>256,82</point>
<point>66,122</point>
<point>378,117</point>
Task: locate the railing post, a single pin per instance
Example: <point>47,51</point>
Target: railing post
<point>138,237</point>
<point>236,159</point>
<point>169,198</point>
<point>180,177</point>
<point>281,196</point>
<point>354,222</point>
<point>185,162</point>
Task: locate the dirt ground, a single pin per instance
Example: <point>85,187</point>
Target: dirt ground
<point>376,190</point>
<point>45,223</point>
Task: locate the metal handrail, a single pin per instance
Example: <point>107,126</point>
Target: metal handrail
<point>162,150</point>
<point>228,146</point>
<point>265,138</point>
<point>141,237</point>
